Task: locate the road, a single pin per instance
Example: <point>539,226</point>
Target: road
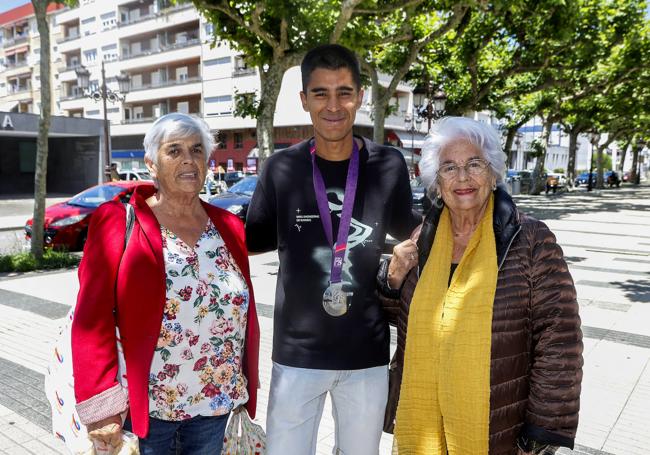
<point>606,240</point>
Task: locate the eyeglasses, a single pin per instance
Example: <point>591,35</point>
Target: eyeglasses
<point>476,166</point>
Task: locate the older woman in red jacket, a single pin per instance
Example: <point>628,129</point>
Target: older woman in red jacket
<point>182,298</point>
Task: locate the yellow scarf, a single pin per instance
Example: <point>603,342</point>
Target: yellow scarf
<point>444,404</point>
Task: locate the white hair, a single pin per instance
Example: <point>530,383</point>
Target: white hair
<point>448,129</point>
<point>176,125</point>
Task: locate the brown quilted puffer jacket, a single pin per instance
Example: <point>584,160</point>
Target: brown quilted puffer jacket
<point>536,364</point>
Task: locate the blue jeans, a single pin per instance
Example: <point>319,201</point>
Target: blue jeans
<point>295,407</point>
<point>196,436</point>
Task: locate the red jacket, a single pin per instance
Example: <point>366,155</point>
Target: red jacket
<point>135,299</point>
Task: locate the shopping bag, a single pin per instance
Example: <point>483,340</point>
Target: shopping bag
<point>59,390</point>
<point>59,380</point>
<point>243,437</point>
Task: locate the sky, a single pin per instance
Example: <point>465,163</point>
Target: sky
<point>6,5</point>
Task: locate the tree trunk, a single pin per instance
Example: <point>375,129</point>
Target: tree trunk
<point>271,83</point>
<point>600,179</point>
<point>539,181</point>
<point>40,173</point>
<point>635,163</point>
<point>377,96</point>
<point>573,146</point>
<point>507,148</point>
<point>621,161</point>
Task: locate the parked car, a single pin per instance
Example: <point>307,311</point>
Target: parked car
<point>135,174</point>
<point>233,177</point>
<point>525,178</point>
<point>611,178</point>
<point>237,198</point>
<point>66,223</point>
<point>555,181</point>
<point>421,202</point>
<point>583,179</point>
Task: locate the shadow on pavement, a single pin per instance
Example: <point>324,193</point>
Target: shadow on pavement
<point>562,205</point>
<point>635,290</point>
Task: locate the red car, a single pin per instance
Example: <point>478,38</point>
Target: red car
<point>66,223</point>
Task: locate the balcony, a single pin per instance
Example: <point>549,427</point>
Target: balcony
<point>169,47</point>
<point>16,65</point>
<point>73,96</point>
<point>13,90</point>
<point>167,83</point>
<point>147,17</point>
<point>68,38</point>
<point>16,41</point>
<point>243,71</point>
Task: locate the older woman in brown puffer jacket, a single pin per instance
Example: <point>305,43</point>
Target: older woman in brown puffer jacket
<point>534,348</point>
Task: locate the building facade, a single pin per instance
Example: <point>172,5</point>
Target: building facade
<point>167,51</point>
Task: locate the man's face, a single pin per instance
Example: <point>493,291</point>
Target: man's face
<point>332,100</point>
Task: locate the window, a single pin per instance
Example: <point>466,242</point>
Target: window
<point>181,73</point>
<point>108,20</point>
<point>217,61</point>
<point>218,105</point>
<point>93,112</point>
<point>112,110</point>
<point>222,139</point>
<point>239,140</point>
<point>209,29</point>
<point>183,107</point>
<point>109,53</point>
<point>90,55</point>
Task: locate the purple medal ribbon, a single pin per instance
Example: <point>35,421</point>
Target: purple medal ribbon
<point>346,215</point>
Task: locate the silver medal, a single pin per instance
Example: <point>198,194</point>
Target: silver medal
<point>336,300</point>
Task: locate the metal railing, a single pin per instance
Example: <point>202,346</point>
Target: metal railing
<point>147,17</point>
<point>132,121</point>
<point>14,65</point>
<point>237,72</point>
<point>169,47</point>
<point>16,40</point>
<point>65,39</point>
<point>166,83</point>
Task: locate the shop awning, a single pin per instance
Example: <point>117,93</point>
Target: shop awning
<point>17,50</point>
<point>410,141</point>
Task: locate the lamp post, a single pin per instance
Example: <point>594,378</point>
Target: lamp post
<point>594,139</point>
<point>435,104</point>
<point>104,94</point>
<point>413,123</point>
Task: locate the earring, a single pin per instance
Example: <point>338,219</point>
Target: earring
<point>438,203</point>
<point>494,186</point>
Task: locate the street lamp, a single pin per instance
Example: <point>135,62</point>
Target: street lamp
<point>594,139</point>
<point>104,94</point>
<point>412,123</point>
<point>427,106</point>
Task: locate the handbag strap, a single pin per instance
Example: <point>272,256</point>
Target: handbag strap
<point>130,221</point>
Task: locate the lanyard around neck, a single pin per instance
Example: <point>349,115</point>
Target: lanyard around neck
<point>346,215</point>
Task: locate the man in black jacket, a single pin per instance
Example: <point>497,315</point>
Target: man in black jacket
<point>326,204</point>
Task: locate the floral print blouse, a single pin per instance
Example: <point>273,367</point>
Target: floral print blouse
<point>197,364</point>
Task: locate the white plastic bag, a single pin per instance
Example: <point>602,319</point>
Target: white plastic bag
<point>243,437</point>
<point>59,390</point>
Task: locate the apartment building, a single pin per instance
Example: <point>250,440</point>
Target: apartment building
<point>19,59</point>
<point>166,51</point>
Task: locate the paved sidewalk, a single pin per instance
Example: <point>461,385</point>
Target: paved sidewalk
<point>606,240</point>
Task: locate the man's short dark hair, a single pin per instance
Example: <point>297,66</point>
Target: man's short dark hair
<point>330,57</point>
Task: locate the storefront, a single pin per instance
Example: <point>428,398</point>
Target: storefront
<point>75,149</point>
